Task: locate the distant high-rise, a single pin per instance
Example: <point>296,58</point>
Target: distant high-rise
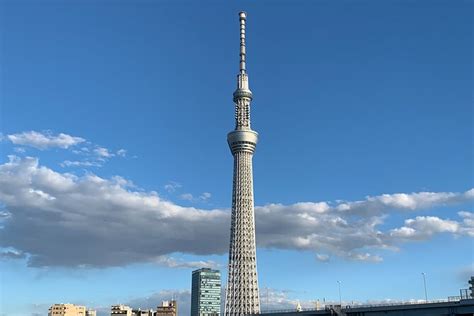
<point>242,297</point>
<point>167,308</point>
<point>206,293</point>
<point>67,310</point>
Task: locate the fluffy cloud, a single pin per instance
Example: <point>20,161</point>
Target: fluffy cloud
<point>76,163</point>
<point>374,205</point>
<point>121,152</point>
<point>322,257</point>
<point>103,152</point>
<point>19,150</point>
<point>44,140</point>
<point>189,197</point>
<point>177,263</point>
<point>12,254</point>
<point>423,227</point>
<point>93,155</point>
<point>59,219</point>
<point>205,196</point>
<point>468,223</point>
<point>186,197</point>
<point>172,186</point>
<point>97,222</point>
<point>364,257</point>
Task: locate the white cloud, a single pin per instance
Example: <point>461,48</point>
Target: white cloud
<point>205,196</point>
<point>171,262</point>
<point>103,152</point>
<point>42,195</point>
<point>93,155</point>
<point>189,197</point>
<point>322,257</point>
<point>186,197</point>
<point>374,205</point>
<point>468,223</point>
<point>107,223</point>
<point>365,257</point>
<point>19,150</point>
<point>12,254</point>
<point>423,227</point>
<point>121,152</point>
<point>172,186</point>
<point>44,140</point>
<point>69,163</point>
<point>111,223</point>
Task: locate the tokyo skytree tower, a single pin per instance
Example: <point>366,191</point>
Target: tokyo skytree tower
<point>242,296</point>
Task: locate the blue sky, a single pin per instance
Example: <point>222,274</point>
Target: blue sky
<point>114,118</point>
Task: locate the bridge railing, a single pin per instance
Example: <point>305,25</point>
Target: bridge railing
<point>350,306</point>
<point>451,299</point>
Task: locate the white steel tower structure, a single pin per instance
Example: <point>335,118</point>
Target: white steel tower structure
<point>242,296</point>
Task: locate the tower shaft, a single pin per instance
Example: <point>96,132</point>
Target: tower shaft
<point>242,296</point>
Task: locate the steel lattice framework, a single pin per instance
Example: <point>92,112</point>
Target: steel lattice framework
<point>242,297</point>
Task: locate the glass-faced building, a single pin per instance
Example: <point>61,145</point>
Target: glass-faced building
<point>206,293</point>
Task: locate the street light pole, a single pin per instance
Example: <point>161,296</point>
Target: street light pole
<point>424,283</point>
<point>340,299</point>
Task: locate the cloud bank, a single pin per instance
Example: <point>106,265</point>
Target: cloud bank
<point>59,219</point>
<point>90,155</point>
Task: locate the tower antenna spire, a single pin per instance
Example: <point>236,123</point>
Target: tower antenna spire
<point>242,18</point>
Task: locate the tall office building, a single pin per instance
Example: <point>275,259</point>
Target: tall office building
<point>242,297</point>
<point>67,310</point>
<point>206,293</point>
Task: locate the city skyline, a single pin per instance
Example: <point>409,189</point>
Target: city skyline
<point>114,165</point>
